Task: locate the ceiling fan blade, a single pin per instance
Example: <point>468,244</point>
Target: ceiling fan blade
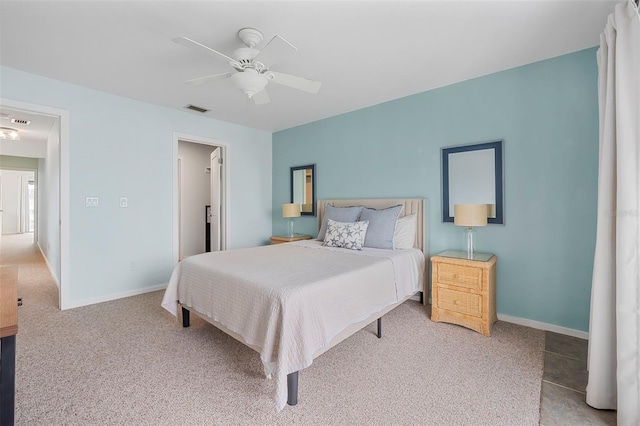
<point>194,44</point>
<point>300,83</point>
<point>207,78</point>
<point>275,51</point>
<point>262,97</point>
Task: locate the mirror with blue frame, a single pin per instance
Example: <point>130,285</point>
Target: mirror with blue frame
<point>474,174</point>
<point>303,188</point>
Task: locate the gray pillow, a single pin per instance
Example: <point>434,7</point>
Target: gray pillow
<point>339,214</point>
<point>349,235</point>
<point>382,224</point>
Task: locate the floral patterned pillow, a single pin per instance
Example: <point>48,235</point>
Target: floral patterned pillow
<point>349,235</point>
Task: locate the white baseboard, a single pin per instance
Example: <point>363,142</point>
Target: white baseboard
<point>544,326</point>
<point>53,275</point>
<point>114,296</point>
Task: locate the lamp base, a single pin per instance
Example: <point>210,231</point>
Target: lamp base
<point>291,233</point>
<point>469,240</point>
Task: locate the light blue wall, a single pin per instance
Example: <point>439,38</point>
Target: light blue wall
<point>49,235</point>
<point>122,147</point>
<point>547,115</point>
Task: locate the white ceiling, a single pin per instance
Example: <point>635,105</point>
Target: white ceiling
<point>364,52</point>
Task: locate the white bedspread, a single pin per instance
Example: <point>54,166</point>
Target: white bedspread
<point>289,300</point>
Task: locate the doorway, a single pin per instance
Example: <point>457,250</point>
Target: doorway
<point>44,140</point>
<point>17,201</point>
<point>200,196</point>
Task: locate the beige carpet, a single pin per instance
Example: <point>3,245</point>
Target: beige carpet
<point>130,362</point>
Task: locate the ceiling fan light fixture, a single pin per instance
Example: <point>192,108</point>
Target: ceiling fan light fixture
<point>9,133</point>
<point>253,66</point>
<point>249,82</point>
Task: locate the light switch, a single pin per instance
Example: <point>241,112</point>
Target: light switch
<point>124,201</point>
<point>91,202</point>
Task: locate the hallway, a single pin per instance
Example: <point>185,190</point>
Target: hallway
<point>18,248</point>
<point>34,279</point>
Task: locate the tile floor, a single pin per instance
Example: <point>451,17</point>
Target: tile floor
<point>563,385</point>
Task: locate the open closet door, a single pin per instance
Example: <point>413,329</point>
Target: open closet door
<point>216,170</point>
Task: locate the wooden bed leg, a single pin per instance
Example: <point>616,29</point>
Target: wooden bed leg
<point>185,317</point>
<point>422,297</point>
<point>380,328</point>
<point>292,388</point>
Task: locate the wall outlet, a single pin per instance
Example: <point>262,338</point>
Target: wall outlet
<point>124,202</point>
<point>132,266</point>
<point>91,202</point>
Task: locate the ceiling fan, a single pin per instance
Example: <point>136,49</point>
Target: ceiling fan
<point>252,66</point>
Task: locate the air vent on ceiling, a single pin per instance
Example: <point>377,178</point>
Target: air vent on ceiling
<point>20,121</point>
<point>196,108</point>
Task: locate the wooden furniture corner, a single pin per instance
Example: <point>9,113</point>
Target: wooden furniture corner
<point>8,301</point>
<point>8,331</point>
<point>464,292</point>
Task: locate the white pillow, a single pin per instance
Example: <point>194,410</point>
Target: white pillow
<point>348,235</point>
<point>404,235</point>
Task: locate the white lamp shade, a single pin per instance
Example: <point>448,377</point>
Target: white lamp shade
<point>470,214</point>
<point>291,210</point>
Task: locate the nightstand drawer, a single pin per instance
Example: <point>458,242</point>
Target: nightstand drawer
<point>460,276</point>
<point>457,301</point>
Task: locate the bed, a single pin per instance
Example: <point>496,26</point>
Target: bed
<point>292,302</point>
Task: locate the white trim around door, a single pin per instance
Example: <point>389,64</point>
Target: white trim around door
<point>63,116</point>
<point>225,198</point>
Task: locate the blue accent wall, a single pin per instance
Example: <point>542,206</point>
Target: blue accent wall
<point>547,115</point>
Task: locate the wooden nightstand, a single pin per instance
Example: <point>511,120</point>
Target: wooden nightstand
<point>464,291</point>
<point>279,240</point>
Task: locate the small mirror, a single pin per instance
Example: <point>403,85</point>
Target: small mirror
<point>303,188</point>
<point>473,174</point>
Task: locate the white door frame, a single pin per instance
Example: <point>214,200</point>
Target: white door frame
<point>24,202</point>
<point>35,174</point>
<point>224,197</point>
<point>215,192</point>
<point>63,116</point>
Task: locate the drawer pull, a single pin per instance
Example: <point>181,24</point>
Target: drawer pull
<point>457,302</point>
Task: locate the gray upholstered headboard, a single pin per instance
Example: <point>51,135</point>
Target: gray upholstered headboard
<point>419,206</point>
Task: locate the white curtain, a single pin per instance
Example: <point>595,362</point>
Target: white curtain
<point>614,332</point>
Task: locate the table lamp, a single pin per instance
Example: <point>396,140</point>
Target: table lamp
<point>470,215</point>
<point>291,211</point>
